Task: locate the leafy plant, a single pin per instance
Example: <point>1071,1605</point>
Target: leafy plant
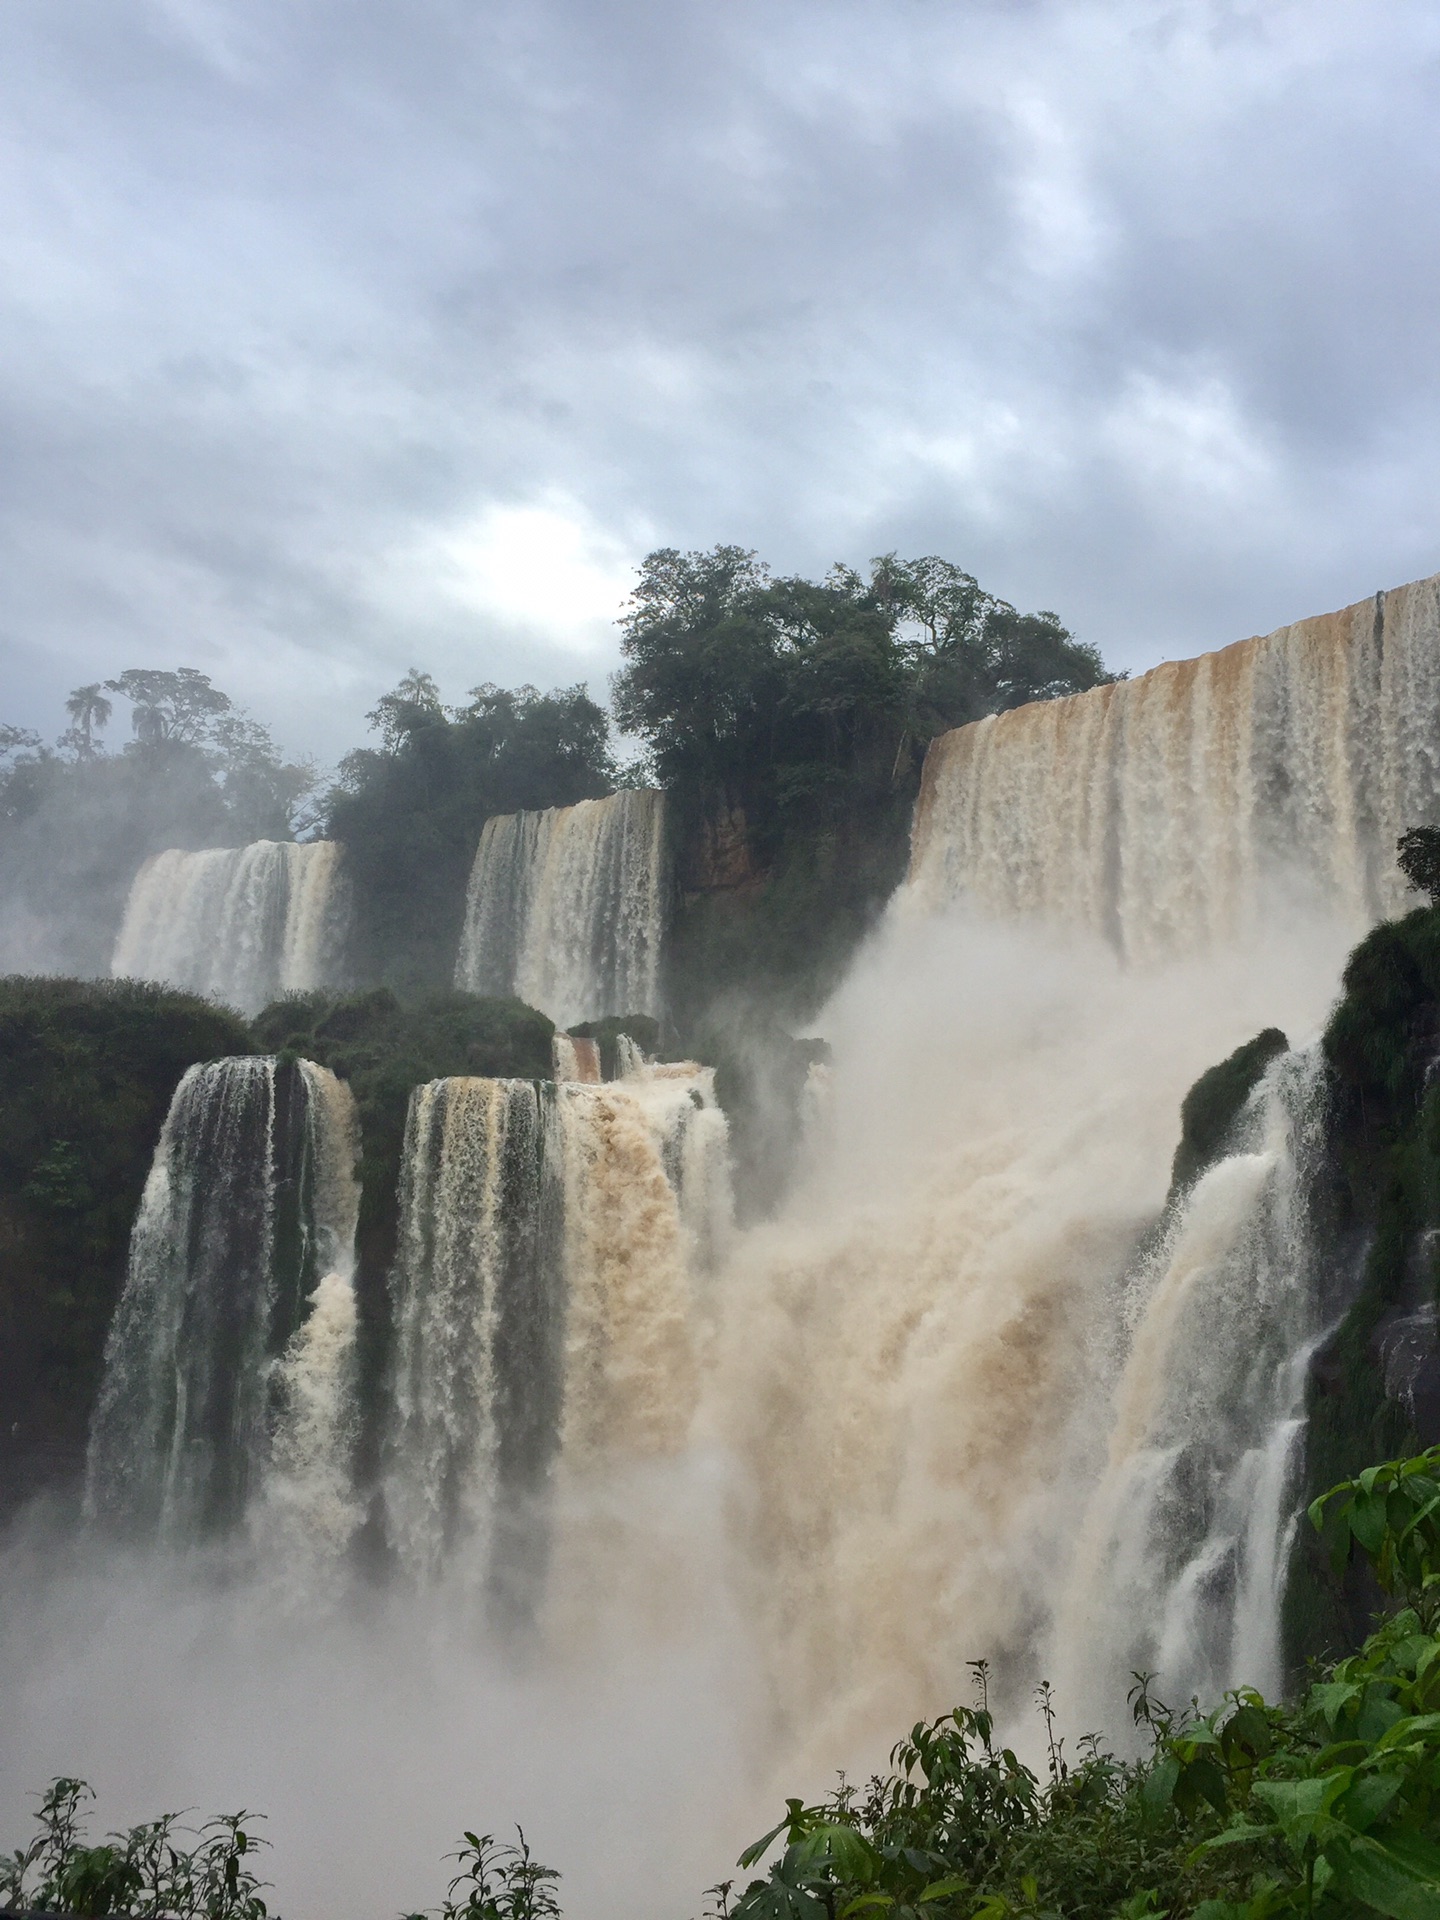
<point>498,1882</point>
<point>146,1872</point>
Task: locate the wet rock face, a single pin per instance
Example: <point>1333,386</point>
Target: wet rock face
<point>720,857</point>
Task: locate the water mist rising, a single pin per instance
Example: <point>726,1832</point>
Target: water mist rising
<point>566,908</point>
<point>243,923</point>
<point>229,1365</point>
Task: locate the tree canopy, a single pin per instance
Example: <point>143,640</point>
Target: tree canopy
<point>410,810</point>
<point>734,676</point>
<point>76,819</point>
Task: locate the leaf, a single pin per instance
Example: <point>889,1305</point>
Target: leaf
<point>841,1847</point>
<point>1159,1788</point>
<point>1362,1804</point>
<point>1368,1520</point>
<point>942,1889</point>
<point>1398,1875</point>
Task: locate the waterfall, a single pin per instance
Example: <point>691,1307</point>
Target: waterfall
<point>229,1364</point>
<point>243,923</point>
<point>574,1058</point>
<point>1181,1558</point>
<point>565,908</point>
<point>1172,812</point>
<point>550,1239</point>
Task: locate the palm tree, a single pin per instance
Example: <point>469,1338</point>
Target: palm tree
<point>90,710</point>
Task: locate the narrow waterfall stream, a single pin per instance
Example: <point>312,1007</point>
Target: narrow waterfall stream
<point>1181,1558</point>
<point>550,1237</point>
<point>230,1357</point>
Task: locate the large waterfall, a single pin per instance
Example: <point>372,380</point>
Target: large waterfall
<point>552,1236</point>
<point>566,908</point>
<point>229,1367</point>
<point>1171,813</point>
<point>977,1391</point>
<point>243,923</point>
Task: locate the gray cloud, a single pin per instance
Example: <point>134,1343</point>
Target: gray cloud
<point>341,337</point>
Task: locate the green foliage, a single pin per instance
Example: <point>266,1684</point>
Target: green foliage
<point>734,677</point>
<point>87,1069</point>
<point>76,822</point>
<point>498,1882</point>
<point>1211,1107</point>
<point>146,1872</point>
<point>410,811</point>
<point>1417,854</point>
<point>797,712</point>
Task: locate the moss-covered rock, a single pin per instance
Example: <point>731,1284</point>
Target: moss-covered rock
<point>87,1069</point>
<point>1211,1107</point>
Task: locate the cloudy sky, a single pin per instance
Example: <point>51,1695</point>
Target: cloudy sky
<point>338,336</point>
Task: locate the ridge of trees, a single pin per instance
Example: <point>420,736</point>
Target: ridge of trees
<point>793,712</point>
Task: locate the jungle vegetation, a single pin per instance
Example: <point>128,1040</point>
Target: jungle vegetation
<point>77,820</point>
<point>87,1069</point>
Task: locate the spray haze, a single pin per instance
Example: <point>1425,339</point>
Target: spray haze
<point>749,1501</point>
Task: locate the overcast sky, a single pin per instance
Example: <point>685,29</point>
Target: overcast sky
<point>340,336</point>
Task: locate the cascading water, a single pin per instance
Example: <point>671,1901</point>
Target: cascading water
<point>1172,812</point>
<point>1181,1559</point>
<point>243,923</point>
<point>550,1237</point>
<point>565,908</point>
<point>229,1369</point>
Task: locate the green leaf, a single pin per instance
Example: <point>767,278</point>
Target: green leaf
<point>1398,1875</point>
<point>1362,1804</point>
<point>1159,1788</point>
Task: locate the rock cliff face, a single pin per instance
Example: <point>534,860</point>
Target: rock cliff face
<point>717,856</point>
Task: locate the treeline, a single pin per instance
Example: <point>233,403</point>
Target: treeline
<point>76,820</point>
<point>786,719</point>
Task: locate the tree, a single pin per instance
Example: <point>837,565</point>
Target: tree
<point>410,810</point>
<point>414,704</point>
<point>1417,854</point>
<point>90,712</point>
<point>178,708</point>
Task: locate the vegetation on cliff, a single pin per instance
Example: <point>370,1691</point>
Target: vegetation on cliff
<point>787,718</point>
<point>76,821</point>
<point>86,1073</point>
<point>409,811</point>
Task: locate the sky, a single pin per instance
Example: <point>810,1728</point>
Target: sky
<point>343,336</point>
